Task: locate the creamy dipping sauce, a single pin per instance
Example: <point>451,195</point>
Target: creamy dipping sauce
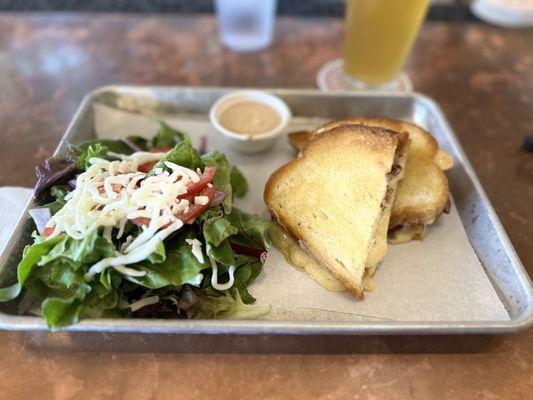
<point>249,117</point>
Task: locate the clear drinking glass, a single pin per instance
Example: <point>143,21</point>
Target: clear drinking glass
<point>379,36</point>
<point>245,25</point>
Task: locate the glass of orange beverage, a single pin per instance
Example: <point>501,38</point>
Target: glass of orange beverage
<point>379,36</point>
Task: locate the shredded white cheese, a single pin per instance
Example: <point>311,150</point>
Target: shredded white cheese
<point>201,200</point>
<point>196,248</point>
<point>109,193</point>
<point>214,276</point>
<point>147,301</point>
<point>141,253</point>
<point>129,271</point>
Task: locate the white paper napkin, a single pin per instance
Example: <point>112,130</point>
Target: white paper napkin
<point>12,201</point>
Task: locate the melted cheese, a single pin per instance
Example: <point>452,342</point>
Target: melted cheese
<point>299,259</point>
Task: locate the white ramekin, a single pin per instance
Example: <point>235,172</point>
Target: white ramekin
<point>258,142</point>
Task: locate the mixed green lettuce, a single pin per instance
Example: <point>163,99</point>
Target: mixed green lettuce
<point>52,270</point>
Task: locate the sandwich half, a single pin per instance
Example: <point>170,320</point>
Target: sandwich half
<point>423,193</point>
<point>336,198</point>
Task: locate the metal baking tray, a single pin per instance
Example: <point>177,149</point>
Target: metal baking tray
<point>483,228</point>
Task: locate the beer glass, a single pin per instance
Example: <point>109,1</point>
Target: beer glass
<point>379,36</point>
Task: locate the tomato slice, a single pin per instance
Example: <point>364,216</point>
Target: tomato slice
<point>49,230</point>
<point>160,149</point>
<point>199,188</point>
<point>205,178</point>
<point>196,209</point>
<point>141,221</point>
<point>115,186</point>
<point>146,167</point>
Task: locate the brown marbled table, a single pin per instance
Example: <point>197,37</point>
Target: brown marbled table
<point>481,76</point>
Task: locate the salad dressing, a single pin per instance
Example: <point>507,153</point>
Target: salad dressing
<point>299,259</point>
<point>248,117</point>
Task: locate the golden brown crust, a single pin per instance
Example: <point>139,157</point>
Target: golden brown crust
<point>299,139</point>
<point>361,128</point>
<point>428,143</point>
<point>443,160</point>
<point>412,208</point>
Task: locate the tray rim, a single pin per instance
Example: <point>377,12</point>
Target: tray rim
<point>251,327</point>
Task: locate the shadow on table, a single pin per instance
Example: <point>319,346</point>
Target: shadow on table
<point>259,344</point>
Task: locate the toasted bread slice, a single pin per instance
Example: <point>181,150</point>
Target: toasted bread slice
<point>422,194</point>
<point>299,139</point>
<point>333,198</point>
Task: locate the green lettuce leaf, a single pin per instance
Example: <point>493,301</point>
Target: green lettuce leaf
<point>59,279</point>
<point>222,177</point>
<point>99,300</point>
<point>67,297</point>
<point>159,255</point>
<point>251,229</point>
<point>218,229</point>
<point>230,306</point>
<point>248,268</point>
<point>167,136</point>
<point>222,254</point>
<point>110,279</point>
<point>141,142</point>
<point>58,193</point>
<point>238,182</point>
<point>65,307</point>
<point>94,150</point>
<point>88,250</point>
<point>60,312</point>
<point>54,206</point>
<point>61,276</point>
<point>179,266</point>
<point>182,154</point>
<point>30,257</point>
<point>114,145</point>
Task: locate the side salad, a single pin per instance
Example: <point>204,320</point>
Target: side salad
<point>143,229</point>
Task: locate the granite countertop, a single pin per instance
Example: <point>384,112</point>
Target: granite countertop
<point>440,9</point>
<point>482,77</point>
